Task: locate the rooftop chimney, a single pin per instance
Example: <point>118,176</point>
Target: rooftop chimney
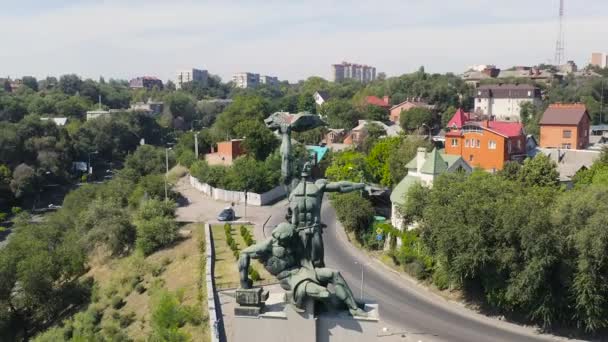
<point>420,158</point>
<point>386,99</point>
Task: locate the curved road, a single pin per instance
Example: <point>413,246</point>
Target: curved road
<point>417,313</point>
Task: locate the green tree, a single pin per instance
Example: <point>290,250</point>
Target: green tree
<point>375,113</point>
<point>147,160</point>
<point>539,171</point>
<point>30,82</point>
<point>377,161</point>
<point>156,225</point>
<point>413,119</point>
<point>354,212</point>
<point>259,141</point>
<point>105,223</point>
<point>347,165</point>
<point>24,181</point>
<point>242,108</point>
<point>69,84</point>
<point>181,105</point>
<point>340,114</point>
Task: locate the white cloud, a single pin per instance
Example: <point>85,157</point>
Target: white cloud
<point>292,40</point>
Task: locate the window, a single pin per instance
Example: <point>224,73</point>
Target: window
<point>519,144</point>
<point>454,142</point>
<point>585,133</point>
<point>566,146</point>
<point>566,133</point>
<point>478,143</point>
<point>471,158</point>
<point>466,143</point>
<point>509,147</point>
<point>478,99</point>
<point>492,145</point>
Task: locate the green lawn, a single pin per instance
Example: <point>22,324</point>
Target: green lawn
<point>226,268</point>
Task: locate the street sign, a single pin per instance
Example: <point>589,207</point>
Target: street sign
<point>379,231</point>
<point>379,237</point>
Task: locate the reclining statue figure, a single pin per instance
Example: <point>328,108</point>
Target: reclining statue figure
<point>282,255</point>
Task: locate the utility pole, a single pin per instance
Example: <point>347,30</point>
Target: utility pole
<point>167,170</point>
<point>196,145</point>
<point>602,104</point>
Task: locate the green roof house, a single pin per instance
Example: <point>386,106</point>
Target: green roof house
<point>424,168</point>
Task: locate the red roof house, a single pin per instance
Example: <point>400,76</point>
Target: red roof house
<point>459,119</point>
<point>380,102</point>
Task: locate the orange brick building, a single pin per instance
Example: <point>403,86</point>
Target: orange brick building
<point>396,110</point>
<point>487,144</point>
<point>565,126</point>
<point>226,152</point>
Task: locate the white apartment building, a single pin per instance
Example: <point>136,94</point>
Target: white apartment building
<point>252,80</point>
<point>359,72</point>
<point>504,101</point>
<point>190,75</point>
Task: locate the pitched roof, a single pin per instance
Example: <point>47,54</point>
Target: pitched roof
<point>398,194</point>
<point>324,94</point>
<point>459,118</point>
<point>564,114</point>
<point>434,164</point>
<point>570,161</point>
<point>376,101</point>
<point>420,104</point>
<point>506,128</point>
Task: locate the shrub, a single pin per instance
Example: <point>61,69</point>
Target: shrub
<point>253,274</point>
<point>156,226</point>
<point>140,288</point>
<point>126,319</point>
<point>117,302</point>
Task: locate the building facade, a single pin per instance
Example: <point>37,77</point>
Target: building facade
<point>191,75</point>
<point>395,111</point>
<point>225,153</point>
<point>599,59</point>
<point>422,169</point>
<point>487,144</point>
<point>147,82</point>
<point>504,101</point>
<point>353,71</point>
<point>565,126</point>
<point>251,80</point>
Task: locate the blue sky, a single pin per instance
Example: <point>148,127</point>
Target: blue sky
<point>289,39</point>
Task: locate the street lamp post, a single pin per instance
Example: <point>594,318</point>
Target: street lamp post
<point>90,169</point>
<point>361,264</point>
<point>429,128</point>
<point>167,170</point>
<point>196,145</point>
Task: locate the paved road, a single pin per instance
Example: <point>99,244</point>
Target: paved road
<point>422,315</point>
<point>404,306</point>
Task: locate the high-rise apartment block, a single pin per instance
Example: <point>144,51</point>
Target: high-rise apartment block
<point>191,75</point>
<point>252,80</point>
<point>359,72</point>
<point>599,59</point>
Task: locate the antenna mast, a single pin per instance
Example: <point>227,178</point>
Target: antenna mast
<point>561,37</point>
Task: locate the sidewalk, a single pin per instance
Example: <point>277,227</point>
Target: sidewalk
<point>201,208</point>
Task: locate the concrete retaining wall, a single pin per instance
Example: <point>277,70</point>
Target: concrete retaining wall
<point>212,301</point>
<point>238,196</point>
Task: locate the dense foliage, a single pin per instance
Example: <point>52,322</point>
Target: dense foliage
<point>518,238</point>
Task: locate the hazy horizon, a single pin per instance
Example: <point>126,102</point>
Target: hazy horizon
<point>290,40</point>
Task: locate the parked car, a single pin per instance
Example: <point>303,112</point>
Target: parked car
<point>226,215</point>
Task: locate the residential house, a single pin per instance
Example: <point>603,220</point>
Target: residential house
<point>94,114</point>
<point>475,76</point>
<point>57,121</point>
<point>504,101</point>
<point>321,97</point>
<point>487,144</point>
<point>565,126</point>
<point>147,82</point>
<point>150,107</point>
<point>225,153</point>
<point>358,134</point>
<point>423,169</point>
<point>395,111</point>
<point>569,162</point>
<point>459,119</point>
<point>380,102</point>
<point>334,136</point>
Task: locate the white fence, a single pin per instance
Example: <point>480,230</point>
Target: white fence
<point>238,196</point>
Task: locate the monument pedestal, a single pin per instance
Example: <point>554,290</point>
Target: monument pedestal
<point>278,321</point>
